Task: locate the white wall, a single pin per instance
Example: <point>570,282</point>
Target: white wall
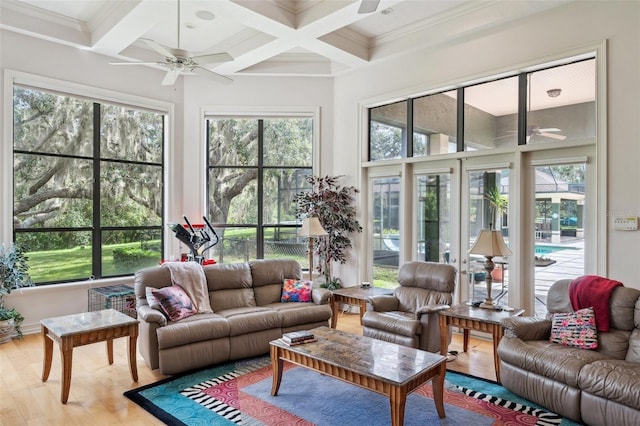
<point>526,42</point>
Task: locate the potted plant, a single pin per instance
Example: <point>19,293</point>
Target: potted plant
<point>14,272</point>
<point>333,204</point>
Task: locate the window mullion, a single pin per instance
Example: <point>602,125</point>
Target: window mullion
<point>260,229</point>
<point>96,234</point>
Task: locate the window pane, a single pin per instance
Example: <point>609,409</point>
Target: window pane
<point>125,252</point>
<point>560,198</point>
<point>280,187</point>
<point>233,196</point>
<point>434,124</point>
<point>386,231</point>
<point>491,114</point>
<point>233,142</point>
<point>434,226</point>
<point>49,123</point>
<point>562,104</point>
<point>130,134</point>
<point>52,192</point>
<point>131,194</point>
<point>235,245</point>
<point>288,142</point>
<point>283,242</point>
<point>57,256</point>
<point>388,131</point>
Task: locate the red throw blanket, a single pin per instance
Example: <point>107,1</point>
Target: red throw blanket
<point>593,291</point>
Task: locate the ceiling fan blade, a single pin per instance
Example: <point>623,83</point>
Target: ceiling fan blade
<point>159,48</point>
<point>213,75</point>
<point>212,59</point>
<point>550,129</point>
<point>552,136</point>
<point>137,63</point>
<point>171,77</point>
<point>368,6</point>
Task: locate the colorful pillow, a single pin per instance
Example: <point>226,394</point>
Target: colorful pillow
<point>151,299</point>
<point>175,302</point>
<point>577,329</point>
<point>296,291</point>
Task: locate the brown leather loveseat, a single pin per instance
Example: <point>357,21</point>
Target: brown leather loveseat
<point>247,315</point>
<point>596,387</point>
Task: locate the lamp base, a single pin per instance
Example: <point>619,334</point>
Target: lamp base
<point>490,304</point>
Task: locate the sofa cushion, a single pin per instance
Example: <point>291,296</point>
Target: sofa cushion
<point>297,313</point>
<point>175,302</point>
<point>613,380</point>
<point>222,300</point>
<point>576,329</point>
<point>268,276</point>
<point>395,322</point>
<point>196,328</point>
<point>296,291</point>
<point>225,276</point>
<point>251,322</point>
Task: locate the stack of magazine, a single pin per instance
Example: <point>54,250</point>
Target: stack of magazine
<point>298,337</point>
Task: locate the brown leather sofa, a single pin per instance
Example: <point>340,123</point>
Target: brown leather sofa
<point>247,315</point>
<point>409,316</point>
<point>596,387</point>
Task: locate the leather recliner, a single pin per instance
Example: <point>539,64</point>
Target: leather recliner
<point>409,316</point>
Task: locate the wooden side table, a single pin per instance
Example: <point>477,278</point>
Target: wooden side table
<point>353,296</point>
<point>477,319</point>
<point>83,329</point>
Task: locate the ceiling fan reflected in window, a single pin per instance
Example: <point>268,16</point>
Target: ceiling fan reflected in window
<point>535,130</point>
<point>180,61</point>
<point>368,6</point>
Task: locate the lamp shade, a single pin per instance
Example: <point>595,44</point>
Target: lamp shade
<point>490,243</point>
<point>311,227</point>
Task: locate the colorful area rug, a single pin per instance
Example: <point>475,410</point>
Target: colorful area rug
<point>240,393</point>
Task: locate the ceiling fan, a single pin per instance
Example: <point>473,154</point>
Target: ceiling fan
<point>535,130</point>
<point>180,61</point>
<point>368,6</point>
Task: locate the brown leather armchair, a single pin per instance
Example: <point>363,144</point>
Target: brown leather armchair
<point>409,317</point>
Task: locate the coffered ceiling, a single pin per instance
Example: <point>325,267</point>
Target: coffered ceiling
<point>264,37</point>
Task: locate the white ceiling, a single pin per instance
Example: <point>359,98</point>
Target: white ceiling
<point>265,37</point>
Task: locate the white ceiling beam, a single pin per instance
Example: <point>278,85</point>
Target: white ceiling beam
<point>129,21</point>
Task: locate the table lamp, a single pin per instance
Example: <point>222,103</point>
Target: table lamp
<point>311,227</point>
<point>489,244</point>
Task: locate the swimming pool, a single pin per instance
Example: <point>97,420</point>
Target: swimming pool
<point>545,249</point>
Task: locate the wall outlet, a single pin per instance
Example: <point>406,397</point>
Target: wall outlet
<point>625,223</point>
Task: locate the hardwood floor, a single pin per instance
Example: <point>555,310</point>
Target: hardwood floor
<point>96,387</point>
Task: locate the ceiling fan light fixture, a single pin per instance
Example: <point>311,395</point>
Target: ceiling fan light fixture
<point>554,93</point>
<point>205,15</point>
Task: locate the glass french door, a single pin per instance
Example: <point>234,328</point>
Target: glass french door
<point>484,196</point>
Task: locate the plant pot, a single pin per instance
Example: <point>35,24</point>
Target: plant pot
<point>497,275</point>
<point>7,330</point>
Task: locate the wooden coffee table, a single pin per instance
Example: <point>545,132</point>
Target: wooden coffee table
<point>353,296</point>
<point>359,360</point>
<point>476,319</point>
<point>82,329</point>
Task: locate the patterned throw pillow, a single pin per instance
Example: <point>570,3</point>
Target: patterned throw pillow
<point>296,291</point>
<point>577,329</point>
<point>175,302</point>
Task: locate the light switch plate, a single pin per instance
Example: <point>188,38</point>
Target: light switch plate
<point>625,223</point>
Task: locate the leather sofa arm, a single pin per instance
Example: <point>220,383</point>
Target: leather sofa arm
<point>431,309</point>
<point>320,296</point>
<point>527,328</point>
<point>384,303</point>
<point>148,314</point>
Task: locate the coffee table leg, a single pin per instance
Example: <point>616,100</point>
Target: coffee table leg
<point>276,366</point>
<point>397,400</point>
<point>66,355</point>
<point>438,390</point>
<point>48,354</point>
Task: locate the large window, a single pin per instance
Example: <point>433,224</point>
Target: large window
<point>87,185</point>
<point>256,166</point>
